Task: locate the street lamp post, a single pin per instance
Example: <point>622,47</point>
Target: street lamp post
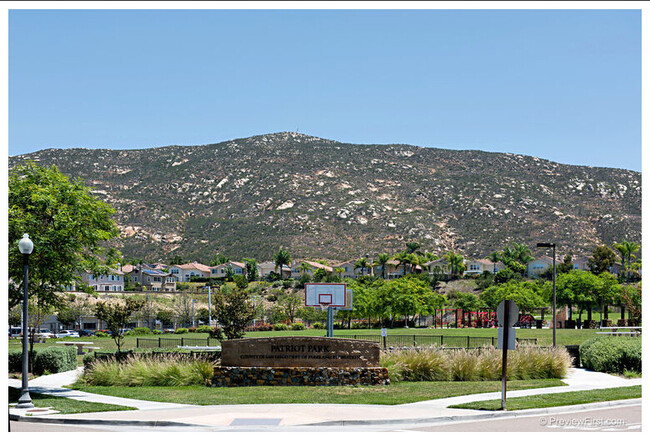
<point>26,247</point>
<point>551,245</point>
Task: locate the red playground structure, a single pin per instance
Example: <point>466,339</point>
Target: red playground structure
<point>457,318</point>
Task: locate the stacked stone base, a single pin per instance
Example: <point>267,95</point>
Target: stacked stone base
<point>290,376</point>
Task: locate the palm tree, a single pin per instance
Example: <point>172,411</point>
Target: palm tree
<point>494,258</point>
<point>455,261</point>
<point>402,258</point>
<point>412,247</point>
<point>382,259</point>
<point>362,264</point>
<point>304,267</point>
<point>626,249</point>
<point>281,258</point>
<point>522,253</point>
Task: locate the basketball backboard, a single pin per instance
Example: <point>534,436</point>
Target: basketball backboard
<point>324,294</point>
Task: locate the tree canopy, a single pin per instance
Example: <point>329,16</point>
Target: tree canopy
<point>68,226</point>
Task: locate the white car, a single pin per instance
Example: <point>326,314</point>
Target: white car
<point>67,334</point>
<point>44,333</point>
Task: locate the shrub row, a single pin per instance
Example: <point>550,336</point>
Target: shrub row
<point>611,354</point>
<point>435,364</point>
<point>46,360</point>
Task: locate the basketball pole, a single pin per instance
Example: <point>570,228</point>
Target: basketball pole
<point>330,322</point>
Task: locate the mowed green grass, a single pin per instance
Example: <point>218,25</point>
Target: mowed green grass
<point>557,399</point>
<point>65,405</point>
<point>394,394</point>
<point>544,336</point>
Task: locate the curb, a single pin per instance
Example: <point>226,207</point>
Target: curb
<point>76,421</point>
<point>483,416</point>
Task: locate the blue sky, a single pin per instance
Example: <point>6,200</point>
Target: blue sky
<point>558,84</point>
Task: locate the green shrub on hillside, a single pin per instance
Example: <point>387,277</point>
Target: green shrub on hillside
<point>611,354</point>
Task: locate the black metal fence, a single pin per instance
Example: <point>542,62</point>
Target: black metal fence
<point>436,340</point>
<point>384,341</point>
<point>175,342</point>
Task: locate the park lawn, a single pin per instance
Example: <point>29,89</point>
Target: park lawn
<point>557,399</point>
<point>394,394</point>
<point>544,336</point>
<point>65,405</point>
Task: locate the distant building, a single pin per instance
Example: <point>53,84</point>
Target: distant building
<point>296,272</point>
<point>105,283</point>
<point>219,271</point>
<point>184,272</point>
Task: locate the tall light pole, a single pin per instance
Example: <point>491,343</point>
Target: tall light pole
<point>26,247</point>
<point>551,245</point>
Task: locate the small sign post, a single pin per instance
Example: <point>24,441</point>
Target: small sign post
<point>384,333</point>
<point>507,314</point>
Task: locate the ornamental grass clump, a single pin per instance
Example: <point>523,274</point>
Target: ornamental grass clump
<point>172,371</point>
<point>484,364</point>
<point>416,365</point>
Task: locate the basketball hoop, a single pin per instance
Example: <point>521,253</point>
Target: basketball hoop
<point>324,305</point>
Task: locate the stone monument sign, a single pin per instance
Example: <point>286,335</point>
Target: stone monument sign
<point>299,351</point>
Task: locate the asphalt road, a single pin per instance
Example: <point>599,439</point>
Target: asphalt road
<point>626,418</point>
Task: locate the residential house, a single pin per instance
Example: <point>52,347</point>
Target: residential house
<point>348,269</point>
<point>219,271</point>
<point>540,265</point>
<point>478,266</point>
<point>265,268</point>
<point>105,283</point>
<point>580,263</point>
<point>439,267</point>
<point>184,272</point>
<point>393,269</point>
<point>297,273</point>
<point>157,281</point>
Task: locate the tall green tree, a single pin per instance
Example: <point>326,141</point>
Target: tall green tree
<point>382,259</point>
<point>219,259</point>
<point>627,250</point>
<point>117,316</point>
<point>252,271</point>
<point>494,258</point>
<point>281,258</point>
<point>234,310</point>
<point>402,259</point>
<point>290,302</point>
<point>362,264</point>
<point>527,295</point>
<point>456,263</point>
<point>601,260</point>
<point>68,226</point>
<point>412,247</point>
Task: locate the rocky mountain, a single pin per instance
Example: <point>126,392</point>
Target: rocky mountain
<point>321,198</point>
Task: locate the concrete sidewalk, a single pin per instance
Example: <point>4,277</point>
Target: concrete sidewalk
<point>286,415</point>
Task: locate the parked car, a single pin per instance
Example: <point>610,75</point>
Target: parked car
<point>44,333</point>
<point>86,333</point>
<point>14,332</point>
<point>67,334</point>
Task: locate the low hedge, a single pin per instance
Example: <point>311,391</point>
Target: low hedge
<point>46,360</point>
<point>611,354</point>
